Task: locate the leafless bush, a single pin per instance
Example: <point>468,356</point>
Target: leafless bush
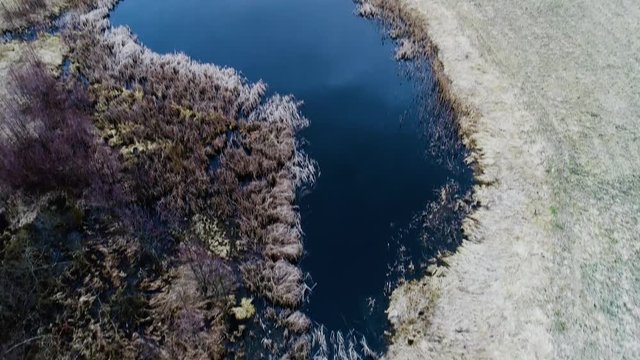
<point>151,235</point>
<point>47,140</point>
<point>215,278</point>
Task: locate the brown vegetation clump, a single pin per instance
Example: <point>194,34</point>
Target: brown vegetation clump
<point>299,349</point>
<point>297,322</point>
<point>280,281</point>
<point>192,323</point>
<point>198,140</point>
<point>215,278</point>
<point>48,141</point>
<point>175,149</point>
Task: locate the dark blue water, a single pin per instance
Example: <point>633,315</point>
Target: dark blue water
<point>374,173</point>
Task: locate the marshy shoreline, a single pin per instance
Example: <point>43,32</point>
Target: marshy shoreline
<point>549,248</point>
<point>548,252</point>
<point>117,136</point>
<point>413,305</point>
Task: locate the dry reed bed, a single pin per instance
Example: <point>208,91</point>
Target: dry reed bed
<point>197,112</point>
<point>413,43</point>
<point>179,171</point>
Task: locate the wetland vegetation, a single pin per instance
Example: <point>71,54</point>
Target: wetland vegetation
<point>151,204</point>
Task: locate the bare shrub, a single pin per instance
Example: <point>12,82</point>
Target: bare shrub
<point>150,234</point>
<point>47,141</point>
<point>215,278</point>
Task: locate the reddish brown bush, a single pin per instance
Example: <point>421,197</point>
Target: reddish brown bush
<point>47,140</point>
<point>215,278</point>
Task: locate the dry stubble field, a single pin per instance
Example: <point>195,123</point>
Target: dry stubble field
<point>551,268</point>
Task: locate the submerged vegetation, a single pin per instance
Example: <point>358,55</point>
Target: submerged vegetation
<point>416,49</point>
<point>441,221</point>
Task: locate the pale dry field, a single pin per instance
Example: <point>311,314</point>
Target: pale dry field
<point>552,266</point>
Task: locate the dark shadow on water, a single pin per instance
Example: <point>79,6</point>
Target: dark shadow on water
<point>366,134</point>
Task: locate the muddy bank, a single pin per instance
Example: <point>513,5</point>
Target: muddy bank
<point>557,214</point>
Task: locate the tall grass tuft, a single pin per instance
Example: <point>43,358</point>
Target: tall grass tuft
<point>338,346</point>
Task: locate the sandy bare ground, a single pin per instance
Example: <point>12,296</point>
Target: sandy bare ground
<point>552,267</point>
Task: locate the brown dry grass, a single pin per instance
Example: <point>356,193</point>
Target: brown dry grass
<point>48,49</point>
<point>550,112</point>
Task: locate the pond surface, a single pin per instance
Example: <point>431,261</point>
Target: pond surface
<point>364,134</point>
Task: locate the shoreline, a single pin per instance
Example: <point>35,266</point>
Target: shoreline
<point>517,287</point>
<point>416,308</point>
<point>548,268</point>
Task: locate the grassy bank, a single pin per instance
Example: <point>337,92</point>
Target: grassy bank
<point>548,105</point>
